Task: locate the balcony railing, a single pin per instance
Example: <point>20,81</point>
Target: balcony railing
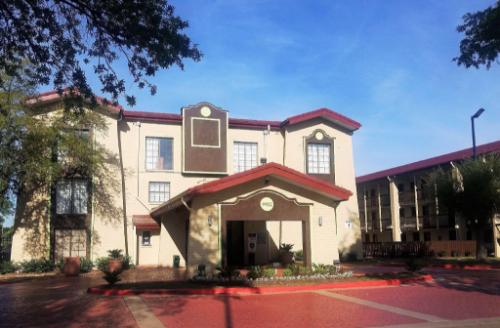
<point>410,223</point>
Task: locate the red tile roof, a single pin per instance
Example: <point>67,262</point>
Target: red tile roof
<point>324,113</point>
<point>145,222</point>
<point>270,169</point>
<point>54,95</point>
<point>430,162</point>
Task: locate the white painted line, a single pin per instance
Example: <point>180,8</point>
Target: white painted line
<point>141,313</point>
<point>483,323</point>
<point>379,306</point>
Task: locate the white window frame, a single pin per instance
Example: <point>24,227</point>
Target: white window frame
<point>319,158</point>
<point>166,191</point>
<point>75,204</point>
<point>245,155</point>
<point>143,243</point>
<point>152,154</point>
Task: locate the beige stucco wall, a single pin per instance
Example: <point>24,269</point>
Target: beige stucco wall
<point>107,215</point>
<point>350,233</point>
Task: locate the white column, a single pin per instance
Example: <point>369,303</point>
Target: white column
<point>394,199</point>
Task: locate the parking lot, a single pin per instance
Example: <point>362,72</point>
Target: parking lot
<point>454,299</point>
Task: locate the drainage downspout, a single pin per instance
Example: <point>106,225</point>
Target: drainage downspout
<point>122,173</point>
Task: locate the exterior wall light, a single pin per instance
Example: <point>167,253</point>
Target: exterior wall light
<point>320,221</point>
<point>210,220</point>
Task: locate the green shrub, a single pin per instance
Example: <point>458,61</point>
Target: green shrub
<point>8,267</point>
<point>268,272</point>
<point>39,266</point>
<point>299,270</point>
<point>287,272</point>
<point>60,264</point>
<point>127,262</point>
<point>227,272</point>
<point>299,255</point>
<point>86,265</point>
<point>115,253</point>
<point>102,263</point>
<point>286,247</point>
<point>254,272</point>
<point>112,277</point>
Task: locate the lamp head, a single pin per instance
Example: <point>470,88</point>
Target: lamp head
<point>478,113</point>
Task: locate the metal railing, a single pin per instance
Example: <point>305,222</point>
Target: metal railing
<point>419,248</point>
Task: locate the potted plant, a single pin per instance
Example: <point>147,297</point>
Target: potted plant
<point>286,254</point>
<point>115,263</point>
<point>71,266</point>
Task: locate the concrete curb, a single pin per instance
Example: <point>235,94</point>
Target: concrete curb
<point>257,290</point>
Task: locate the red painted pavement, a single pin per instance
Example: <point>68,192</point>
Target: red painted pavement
<point>281,310</point>
<point>435,300</point>
<point>60,302</point>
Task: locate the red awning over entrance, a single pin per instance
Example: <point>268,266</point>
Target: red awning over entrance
<point>145,222</point>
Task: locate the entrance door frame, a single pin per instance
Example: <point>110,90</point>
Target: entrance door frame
<point>285,209</point>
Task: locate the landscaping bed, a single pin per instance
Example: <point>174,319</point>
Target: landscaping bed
<point>254,287</point>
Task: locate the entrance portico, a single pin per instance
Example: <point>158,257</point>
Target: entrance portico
<point>264,206</point>
<point>261,208</point>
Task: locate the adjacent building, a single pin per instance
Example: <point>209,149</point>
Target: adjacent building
<point>397,205</point>
<point>201,187</point>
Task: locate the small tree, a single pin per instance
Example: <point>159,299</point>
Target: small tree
<point>37,151</point>
<point>476,196</point>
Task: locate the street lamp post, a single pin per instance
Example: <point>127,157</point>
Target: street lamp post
<point>472,118</point>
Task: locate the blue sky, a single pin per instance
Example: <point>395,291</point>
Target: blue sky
<point>387,64</point>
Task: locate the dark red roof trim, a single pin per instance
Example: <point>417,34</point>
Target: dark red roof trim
<point>253,124</point>
<point>152,116</point>
<point>324,113</point>
<point>270,169</point>
<point>145,222</point>
<point>433,161</point>
<point>54,95</point>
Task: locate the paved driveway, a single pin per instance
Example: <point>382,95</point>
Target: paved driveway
<point>458,298</point>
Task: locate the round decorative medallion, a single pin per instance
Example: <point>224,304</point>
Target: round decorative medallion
<point>319,135</point>
<point>266,204</point>
<point>205,111</point>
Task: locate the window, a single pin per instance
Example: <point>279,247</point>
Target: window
<point>401,187</point>
<point>159,153</point>
<point>146,238</point>
<point>70,243</point>
<point>318,158</point>
<point>244,156</point>
<point>401,212</point>
<point>159,192</point>
<point>62,149</point>
<point>71,196</point>
<point>413,211</point>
